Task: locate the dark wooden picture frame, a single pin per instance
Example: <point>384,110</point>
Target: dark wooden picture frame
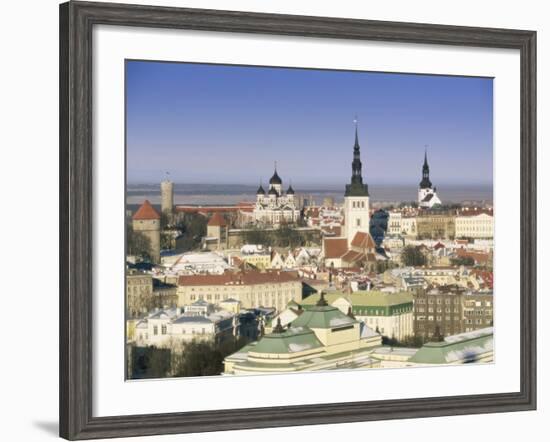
<point>76,243</point>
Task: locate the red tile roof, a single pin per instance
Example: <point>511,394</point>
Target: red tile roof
<point>146,212</point>
<point>486,276</point>
<point>217,220</point>
<point>352,256</point>
<point>478,257</point>
<point>213,209</point>
<point>241,278</point>
<point>335,247</point>
<point>363,240</point>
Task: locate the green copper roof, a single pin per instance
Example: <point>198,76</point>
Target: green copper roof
<point>371,298</point>
<point>322,317</point>
<point>466,347</point>
<point>294,340</point>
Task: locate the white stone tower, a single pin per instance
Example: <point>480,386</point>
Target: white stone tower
<point>356,199</point>
<point>167,197</point>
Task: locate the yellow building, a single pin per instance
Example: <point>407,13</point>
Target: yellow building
<point>435,225</point>
<point>321,338</point>
<point>261,261</point>
<point>251,288</point>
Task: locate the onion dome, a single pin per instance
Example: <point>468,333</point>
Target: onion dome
<point>275,179</point>
<point>290,190</point>
<point>260,190</point>
<point>273,191</point>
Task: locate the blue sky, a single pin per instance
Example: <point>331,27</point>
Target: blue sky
<point>228,124</point>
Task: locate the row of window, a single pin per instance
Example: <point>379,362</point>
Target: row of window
<point>437,318</point>
<point>164,330</point>
<point>438,310</point>
<point>478,312</point>
<point>456,301</point>
<point>479,321</point>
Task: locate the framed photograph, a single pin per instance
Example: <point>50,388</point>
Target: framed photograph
<point>272,220</point>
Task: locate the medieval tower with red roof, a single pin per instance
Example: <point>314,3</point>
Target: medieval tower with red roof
<point>216,232</point>
<point>146,221</point>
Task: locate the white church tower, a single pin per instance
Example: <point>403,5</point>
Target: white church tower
<point>427,195</point>
<point>356,198</point>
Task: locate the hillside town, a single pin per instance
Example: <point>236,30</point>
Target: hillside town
<point>282,284</point>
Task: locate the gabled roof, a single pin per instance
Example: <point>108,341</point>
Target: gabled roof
<point>217,220</point>
<point>352,256</point>
<point>335,247</point>
<point>465,347</point>
<point>363,240</point>
<point>146,212</point>
<point>323,317</point>
<point>185,319</point>
<point>428,197</point>
<point>293,340</point>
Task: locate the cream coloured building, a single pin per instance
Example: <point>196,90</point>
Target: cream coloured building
<point>388,313</point>
<point>474,226</point>
<point>252,289</point>
<point>400,224</point>
<point>408,226</point>
<point>322,338</point>
<point>139,292</point>
<point>394,223</point>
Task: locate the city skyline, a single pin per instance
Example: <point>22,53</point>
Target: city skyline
<point>203,123</point>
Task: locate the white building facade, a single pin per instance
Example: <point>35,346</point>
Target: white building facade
<point>475,226</point>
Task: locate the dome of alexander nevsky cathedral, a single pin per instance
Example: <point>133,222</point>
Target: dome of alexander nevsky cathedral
<point>290,190</point>
<point>275,179</point>
<point>273,191</point>
<point>260,190</point>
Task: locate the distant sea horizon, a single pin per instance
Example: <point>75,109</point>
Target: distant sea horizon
<point>230,194</point>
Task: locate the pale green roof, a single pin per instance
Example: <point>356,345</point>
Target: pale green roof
<point>372,298</point>
<point>465,347</point>
<point>322,317</point>
<point>292,340</point>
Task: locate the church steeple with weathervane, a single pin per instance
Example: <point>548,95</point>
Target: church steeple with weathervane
<point>427,196</point>
<point>356,187</point>
<point>356,198</point>
<point>425,183</point>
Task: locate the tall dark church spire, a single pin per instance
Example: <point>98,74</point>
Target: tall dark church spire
<point>356,187</point>
<point>425,183</point>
